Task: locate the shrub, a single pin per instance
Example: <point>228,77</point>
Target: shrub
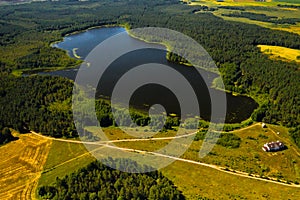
<point>229,140</point>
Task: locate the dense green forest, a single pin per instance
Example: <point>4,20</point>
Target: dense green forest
<point>27,30</point>
<point>38,103</point>
<point>97,181</point>
<point>43,104</point>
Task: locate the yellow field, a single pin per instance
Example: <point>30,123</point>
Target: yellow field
<point>283,53</point>
<point>21,164</point>
<point>292,29</point>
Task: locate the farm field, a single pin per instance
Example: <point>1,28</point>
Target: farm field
<point>21,163</point>
<point>282,53</point>
<point>269,8</point>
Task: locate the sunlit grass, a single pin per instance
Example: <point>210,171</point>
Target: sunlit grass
<point>198,181</point>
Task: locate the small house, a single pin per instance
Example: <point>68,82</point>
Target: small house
<point>273,146</point>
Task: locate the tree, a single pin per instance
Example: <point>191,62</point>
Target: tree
<point>6,136</point>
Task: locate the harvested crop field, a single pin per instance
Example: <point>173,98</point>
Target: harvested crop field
<point>21,163</point>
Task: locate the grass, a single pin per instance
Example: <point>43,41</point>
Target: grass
<point>249,157</point>
<point>112,133</point>
<point>194,180</point>
<point>282,53</point>
<point>20,72</point>
<point>115,133</point>
<point>64,158</point>
<point>21,164</point>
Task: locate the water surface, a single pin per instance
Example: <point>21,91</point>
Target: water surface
<point>239,108</point>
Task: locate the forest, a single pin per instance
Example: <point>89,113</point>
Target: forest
<point>97,181</point>
<point>42,103</point>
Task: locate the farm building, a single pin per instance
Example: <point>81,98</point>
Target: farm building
<point>273,146</point>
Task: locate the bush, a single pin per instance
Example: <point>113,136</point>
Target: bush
<point>263,136</point>
<point>229,140</point>
<point>200,135</point>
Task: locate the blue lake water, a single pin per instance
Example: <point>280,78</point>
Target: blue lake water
<point>239,108</point>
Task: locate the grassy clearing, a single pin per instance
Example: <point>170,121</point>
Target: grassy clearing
<point>115,133</point>
<point>282,53</point>
<point>20,72</point>
<point>112,133</point>
<point>249,157</point>
<point>194,181</point>
<point>64,158</point>
<point>21,164</point>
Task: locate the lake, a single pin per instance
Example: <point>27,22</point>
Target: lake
<point>239,108</point>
